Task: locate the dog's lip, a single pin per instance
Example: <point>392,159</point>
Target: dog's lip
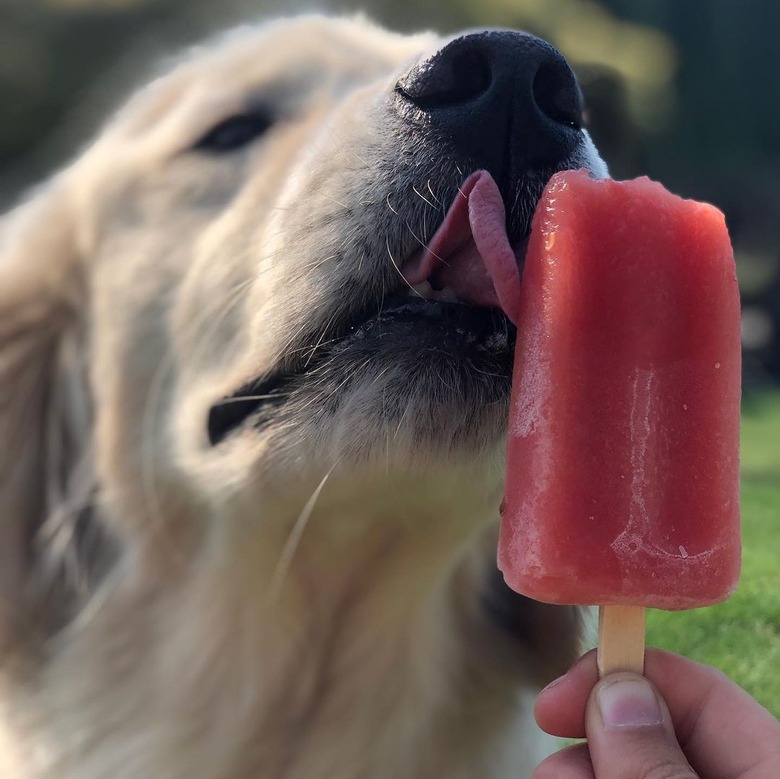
<point>230,412</point>
<point>470,254</point>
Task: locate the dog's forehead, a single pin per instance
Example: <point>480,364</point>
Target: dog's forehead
<point>276,60</point>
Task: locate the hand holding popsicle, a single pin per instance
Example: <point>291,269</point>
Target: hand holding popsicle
<point>689,718</point>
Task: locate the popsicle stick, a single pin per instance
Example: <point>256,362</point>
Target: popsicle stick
<point>621,639</point>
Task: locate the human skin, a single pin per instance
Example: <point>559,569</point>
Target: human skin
<point>682,719</point>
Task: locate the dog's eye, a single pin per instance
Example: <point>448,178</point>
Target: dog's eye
<point>234,132</point>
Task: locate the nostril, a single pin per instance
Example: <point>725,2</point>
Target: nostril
<point>557,94</point>
<point>501,100</point>
<point>456,75</point>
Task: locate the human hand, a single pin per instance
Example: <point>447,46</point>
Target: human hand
<point>689,721</point>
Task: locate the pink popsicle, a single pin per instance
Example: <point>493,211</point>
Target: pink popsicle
<point>623,452</point>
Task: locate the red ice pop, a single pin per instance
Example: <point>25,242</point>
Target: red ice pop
<point>622,472</point>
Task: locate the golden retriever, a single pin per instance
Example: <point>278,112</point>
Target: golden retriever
<point>252,429</point>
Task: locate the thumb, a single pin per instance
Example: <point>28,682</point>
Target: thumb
<point>630,732</point>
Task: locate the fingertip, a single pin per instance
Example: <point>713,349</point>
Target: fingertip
<point>585,667</point>
<point>560,707</point>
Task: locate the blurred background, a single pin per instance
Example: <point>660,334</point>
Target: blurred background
<point>682,91</point>
<point>685,91</point>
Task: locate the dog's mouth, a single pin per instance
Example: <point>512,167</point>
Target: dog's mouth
<point>466,281</point>
<point>469,259</point>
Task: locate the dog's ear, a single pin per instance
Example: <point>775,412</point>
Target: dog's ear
<point>44,407</point>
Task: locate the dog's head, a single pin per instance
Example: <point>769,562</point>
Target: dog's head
<point>261,298</point>
<point>269,268</point>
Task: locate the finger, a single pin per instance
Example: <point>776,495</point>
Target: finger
<point>560,707</point>
<point>570,763</point>
<point>630,731</point>
<point>724,732</point>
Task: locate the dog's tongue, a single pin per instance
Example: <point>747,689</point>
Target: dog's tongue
<point>470,252</point>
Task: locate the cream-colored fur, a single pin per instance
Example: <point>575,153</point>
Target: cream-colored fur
<point>303,600</point>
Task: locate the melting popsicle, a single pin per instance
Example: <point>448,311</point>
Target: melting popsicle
<point>623,450</point>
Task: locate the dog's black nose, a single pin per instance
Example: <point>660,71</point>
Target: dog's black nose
<point>500,98</point>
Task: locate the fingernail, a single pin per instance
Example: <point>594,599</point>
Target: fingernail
<point>628,703</point>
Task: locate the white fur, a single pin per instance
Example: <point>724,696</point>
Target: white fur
<point>299,602</point>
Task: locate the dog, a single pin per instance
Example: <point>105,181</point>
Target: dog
<point>252,406</point>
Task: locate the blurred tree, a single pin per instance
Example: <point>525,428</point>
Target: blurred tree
<point>729,67</point>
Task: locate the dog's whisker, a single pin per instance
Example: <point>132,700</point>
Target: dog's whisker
<point>242,398</point>
<point>322,262</point>
<point>390,205</point>
<point>436,199</point>
<point>333,199</point>
<point>423,198</point>
<point>491,374</point>
<point>447,384</point>
<point>211,316</point>
<point>427,247</point>
<point>314,400</point>
<point>395,265</point>
<point>416,237</point>
<point>361,159</point>
<point>320,340</point>
<point>308,348</point>
<point>294,539</point>
<point>287,347</point>
<point>401,421</point>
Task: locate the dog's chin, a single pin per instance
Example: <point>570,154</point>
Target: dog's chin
<point>415,378</point>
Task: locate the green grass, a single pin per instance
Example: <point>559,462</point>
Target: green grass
<point>742,636</point>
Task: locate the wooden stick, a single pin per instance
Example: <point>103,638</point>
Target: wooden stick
<point>621,639</point>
